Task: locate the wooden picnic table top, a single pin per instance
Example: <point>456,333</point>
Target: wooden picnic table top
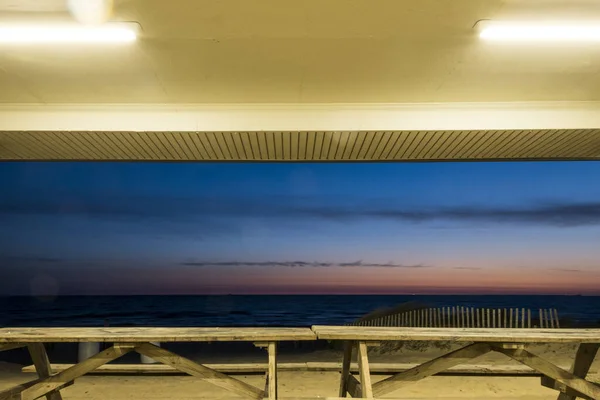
<point>503,335</point>
<point>142,335</point>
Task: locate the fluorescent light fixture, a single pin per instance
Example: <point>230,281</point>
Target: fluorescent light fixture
<point>67,33</point>
<point>538,32</point>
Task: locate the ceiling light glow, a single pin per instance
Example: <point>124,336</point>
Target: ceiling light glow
<point>66,33</point>
<point>91,11</point>
<point>521,32</point>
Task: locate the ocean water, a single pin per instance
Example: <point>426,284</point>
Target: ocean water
<point>267,310</point>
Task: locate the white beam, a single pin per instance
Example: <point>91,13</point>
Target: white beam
<point>301,117</point>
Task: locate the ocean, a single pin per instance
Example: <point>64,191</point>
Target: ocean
<point>257,310</point>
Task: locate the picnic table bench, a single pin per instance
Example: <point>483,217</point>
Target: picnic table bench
<point>478,341</point>
<point>139,340</point>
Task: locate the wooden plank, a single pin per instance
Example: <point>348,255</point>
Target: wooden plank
<point>522,318</point>
<point>556,317</point>
<point>14,393</point>
<point>551,370</point>
<point>529,318</point>
<point>542,325</point>
<point>11,346</point>
<point>346,361</point>
<point>551,318</point>
<point>144,335</point>
<point>339,398</point>
<point>510,322</point>
<point>586,353</point>
<point>272,372</point>
<point>54,382</point>
<point>365,374</point>
<point>38,354</point>
<point>429,368</point>
<point>458,334</point>
<point>167,369</point>
<point>354,387</point>
<point>190,367</point>
<point>261,368</point>
<point>472,318</point>
<point>550,383</point>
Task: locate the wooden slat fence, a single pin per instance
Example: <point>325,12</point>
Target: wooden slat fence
<point>468,317</point>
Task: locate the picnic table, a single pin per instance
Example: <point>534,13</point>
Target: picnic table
<point>478,341</point>
<point>139,340</point>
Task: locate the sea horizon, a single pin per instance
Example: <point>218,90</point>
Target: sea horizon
<point>261,310</point>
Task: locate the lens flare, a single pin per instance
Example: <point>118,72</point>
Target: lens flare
<point>91,12</point>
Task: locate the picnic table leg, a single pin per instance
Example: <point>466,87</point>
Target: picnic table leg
<point>270,391</point>
<point>346,361</point>
<point>566,378</point>
<point>365,373</point>
<point>272,371</point>
<point>42,366</point>
<point>583,361</point>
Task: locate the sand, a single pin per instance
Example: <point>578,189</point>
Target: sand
<point>315,384</point>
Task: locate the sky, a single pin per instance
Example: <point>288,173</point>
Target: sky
<point>240,228</point>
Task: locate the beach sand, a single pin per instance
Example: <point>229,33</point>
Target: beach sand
<point>313,384</point>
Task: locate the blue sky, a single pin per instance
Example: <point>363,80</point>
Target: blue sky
<point>171,228</point>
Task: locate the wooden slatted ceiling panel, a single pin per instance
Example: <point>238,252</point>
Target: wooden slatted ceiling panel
<point>302,146</point>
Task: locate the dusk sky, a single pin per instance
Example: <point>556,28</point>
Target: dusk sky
<point>149,228</point>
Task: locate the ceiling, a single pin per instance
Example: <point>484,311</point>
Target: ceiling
<point>308,51</point>
<point>514,102</point>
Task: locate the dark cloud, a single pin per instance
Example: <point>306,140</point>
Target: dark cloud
<point>298,264</point>
<point>208,209</point>
<point>573,270</point>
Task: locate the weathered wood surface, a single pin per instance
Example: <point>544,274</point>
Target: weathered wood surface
<point>144,335</point>
<point>14,393</point>
<point>354,387</point>
<point>345,367</point>
<point>366,388</point>
<point>429,368</point>
<point>11,346</point>
<point>56,381</point>
<point>271,382</point>
<point>566,392</point>
<point>190,367</point>
<point>578,384</point>
<point>259,368</point>
<point>344,398</point>
<point>586,353</point>
<point>458,334</point>
<point>38,354</point>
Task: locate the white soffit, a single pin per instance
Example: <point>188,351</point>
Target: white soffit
<point>432,132</point>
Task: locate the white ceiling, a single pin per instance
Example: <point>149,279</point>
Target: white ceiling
<point>305,51</point>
